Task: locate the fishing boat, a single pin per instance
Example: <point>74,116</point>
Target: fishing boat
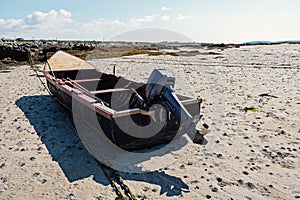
<point>127,111</point>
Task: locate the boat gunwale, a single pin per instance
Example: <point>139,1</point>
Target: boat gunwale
<point>93,103</point>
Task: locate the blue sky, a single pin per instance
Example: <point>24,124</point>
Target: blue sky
<point>201,20</point>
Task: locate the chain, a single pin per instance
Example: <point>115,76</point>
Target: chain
<point>112,175</point>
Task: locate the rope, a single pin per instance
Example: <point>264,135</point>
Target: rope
<point>35,69</point>
<point>46,88</point>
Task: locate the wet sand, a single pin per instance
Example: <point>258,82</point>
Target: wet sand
<point>251,102</point>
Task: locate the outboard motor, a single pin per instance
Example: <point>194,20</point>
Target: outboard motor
<point>160,86</point>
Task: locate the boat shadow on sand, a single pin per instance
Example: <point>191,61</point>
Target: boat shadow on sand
<point>62,142</point>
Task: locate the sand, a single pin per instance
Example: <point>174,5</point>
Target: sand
<point>251,103</point>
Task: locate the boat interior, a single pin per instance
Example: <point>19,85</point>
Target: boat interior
<point>104,86</point>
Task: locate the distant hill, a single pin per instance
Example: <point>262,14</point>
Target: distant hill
<point>291,41</point>
<point>257,42</point>
<point>270,42</point>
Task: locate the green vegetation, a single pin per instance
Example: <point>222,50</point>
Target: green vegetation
<point>16,42</point>
<point>251,109</point>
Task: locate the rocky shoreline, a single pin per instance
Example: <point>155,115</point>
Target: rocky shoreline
<point>39,51</point>
<point>16,53</point>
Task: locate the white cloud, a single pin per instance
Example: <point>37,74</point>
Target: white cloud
<point>165,18</point>
<point>37,18</point>
<point>102,22</point>
<point>97,27</point>
<point>184,17</point>
<point>10,24</point>
<point>36,21</point>
<point>165,8</point>
<point>138,21</point>
<point>58,24</point>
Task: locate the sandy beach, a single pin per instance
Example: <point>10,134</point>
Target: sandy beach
<point>251,101</point>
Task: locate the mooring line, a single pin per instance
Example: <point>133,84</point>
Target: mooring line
<point>35,69</point>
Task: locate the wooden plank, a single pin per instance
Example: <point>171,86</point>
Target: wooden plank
<point>62,61</point>
<point>132,111</point>
<point>86,80</point>
<point>109,90</point>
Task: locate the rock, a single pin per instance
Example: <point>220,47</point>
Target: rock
<point>250,185</point>
<point>245,172</point>
<point>219,179</point>
<point>7,60</point>
<point>34,46</point>
<point>273,155</point>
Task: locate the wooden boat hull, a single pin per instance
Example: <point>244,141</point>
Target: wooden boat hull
<point>92,92</point>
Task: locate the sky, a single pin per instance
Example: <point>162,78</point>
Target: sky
<point>217,21</point>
